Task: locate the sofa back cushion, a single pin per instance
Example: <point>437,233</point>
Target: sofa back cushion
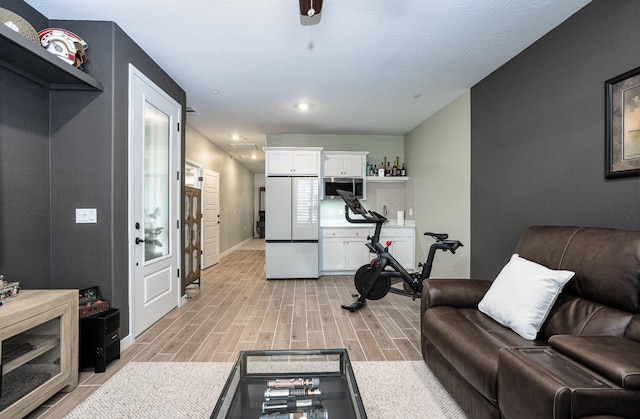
<point>633,331</point>
<point>573,315</point>
<point>604,294</point>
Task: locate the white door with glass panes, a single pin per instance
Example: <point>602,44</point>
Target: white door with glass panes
<point>154,202</point>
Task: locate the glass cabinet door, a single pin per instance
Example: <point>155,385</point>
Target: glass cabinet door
<point>29,359</point>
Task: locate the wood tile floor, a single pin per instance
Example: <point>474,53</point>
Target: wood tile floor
<point>237,309</point>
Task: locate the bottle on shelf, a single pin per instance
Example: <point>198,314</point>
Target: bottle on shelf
<point>403,171</point>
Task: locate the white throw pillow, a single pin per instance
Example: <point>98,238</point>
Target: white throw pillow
<point>522,295</point>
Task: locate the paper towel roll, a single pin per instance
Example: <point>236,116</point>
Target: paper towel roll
<point>400,218</point>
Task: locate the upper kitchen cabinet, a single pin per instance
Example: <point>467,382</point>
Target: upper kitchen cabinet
<point>292,161</point>
<point>344,163</point>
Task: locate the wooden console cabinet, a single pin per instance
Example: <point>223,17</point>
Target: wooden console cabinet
<point>38,348</point>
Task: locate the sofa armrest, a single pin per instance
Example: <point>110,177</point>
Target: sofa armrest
<point>459,293</point>
<point>614,357</point>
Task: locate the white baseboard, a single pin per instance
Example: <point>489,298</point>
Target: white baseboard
<point>125,342</point>
<point>236,247</point>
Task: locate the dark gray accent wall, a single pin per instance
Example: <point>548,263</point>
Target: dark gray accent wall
<point>90,165</point>
<point>81,171</point>
<point>24,181</point>
<point>62,150</point>
<point>24,172</point>
<point>537,135</point>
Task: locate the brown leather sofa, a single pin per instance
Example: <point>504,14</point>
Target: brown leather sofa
<point>585,361</point>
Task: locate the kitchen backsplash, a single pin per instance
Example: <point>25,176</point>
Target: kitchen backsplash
<point>396,196</point>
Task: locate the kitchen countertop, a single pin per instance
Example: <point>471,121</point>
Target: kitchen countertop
<point>345,223</point>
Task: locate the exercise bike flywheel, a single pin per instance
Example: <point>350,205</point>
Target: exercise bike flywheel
<point>364,277</point>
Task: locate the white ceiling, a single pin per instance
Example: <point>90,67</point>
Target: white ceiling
<point>367,66</point>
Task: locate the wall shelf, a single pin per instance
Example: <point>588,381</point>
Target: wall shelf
<point>387,179</point>
<point>30,60</point>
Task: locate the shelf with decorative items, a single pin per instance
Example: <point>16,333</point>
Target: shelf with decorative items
<point>30,60</point>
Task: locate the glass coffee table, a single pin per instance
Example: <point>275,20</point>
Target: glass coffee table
<point>311,383</point>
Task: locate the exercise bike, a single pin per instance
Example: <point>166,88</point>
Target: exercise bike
<point>373,280</point>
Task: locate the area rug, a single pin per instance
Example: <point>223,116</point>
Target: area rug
<point>389,390</point>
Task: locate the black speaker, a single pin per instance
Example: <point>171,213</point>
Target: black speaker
<point>100,339</point>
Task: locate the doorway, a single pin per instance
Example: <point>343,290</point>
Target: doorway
<point>154,198</point>
<point>211,217</point>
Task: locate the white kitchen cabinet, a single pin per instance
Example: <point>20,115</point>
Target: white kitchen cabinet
<point>403,245</point>
<point>343,164</point>
<point>289,161</point>
<point>344,250</point>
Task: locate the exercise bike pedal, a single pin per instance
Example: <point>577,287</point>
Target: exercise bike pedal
<point>354,307</point>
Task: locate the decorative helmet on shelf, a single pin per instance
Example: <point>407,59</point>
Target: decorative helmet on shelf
<point>65,44</point>
<point>19,24</point>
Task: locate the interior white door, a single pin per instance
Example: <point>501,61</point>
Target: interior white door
<point>211,218</point>
<point>154,201</point>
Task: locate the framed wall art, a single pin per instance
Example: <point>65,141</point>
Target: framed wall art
<point>622,149</point>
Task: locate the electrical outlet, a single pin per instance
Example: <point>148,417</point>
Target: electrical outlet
<point>410,212</point>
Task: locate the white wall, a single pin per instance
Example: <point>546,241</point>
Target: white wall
<point>236,188</point>
<point>438,154</point>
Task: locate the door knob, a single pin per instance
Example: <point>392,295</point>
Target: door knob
<point>139,240</point>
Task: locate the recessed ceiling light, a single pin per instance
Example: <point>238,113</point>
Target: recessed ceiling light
<point>254,156</point>
<point>303,106</point>
<point>235,137</point>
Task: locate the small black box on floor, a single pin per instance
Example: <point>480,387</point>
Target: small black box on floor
<point>100,339</point>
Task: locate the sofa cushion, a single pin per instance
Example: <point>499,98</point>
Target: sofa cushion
<point>614,357</point>
<point>633,330</point>
<point>522,295</point>
<point>606,261</point>
<point>573,315</point>
<point>468,340</point>
<point>460,293</point>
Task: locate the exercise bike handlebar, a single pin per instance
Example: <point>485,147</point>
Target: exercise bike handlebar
<point>352,203</point>
<point>370,217</point>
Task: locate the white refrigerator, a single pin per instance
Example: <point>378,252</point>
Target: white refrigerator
<point>291,227</point>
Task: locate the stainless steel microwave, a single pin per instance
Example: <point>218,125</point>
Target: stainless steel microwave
<point>331,185</point>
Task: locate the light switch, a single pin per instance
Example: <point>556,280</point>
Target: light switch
<point>86,215</point>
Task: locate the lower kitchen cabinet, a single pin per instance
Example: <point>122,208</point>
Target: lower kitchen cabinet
<point>344,250</point>
<point>403,245</point>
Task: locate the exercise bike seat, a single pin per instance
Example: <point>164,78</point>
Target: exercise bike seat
<point>438,236</point>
